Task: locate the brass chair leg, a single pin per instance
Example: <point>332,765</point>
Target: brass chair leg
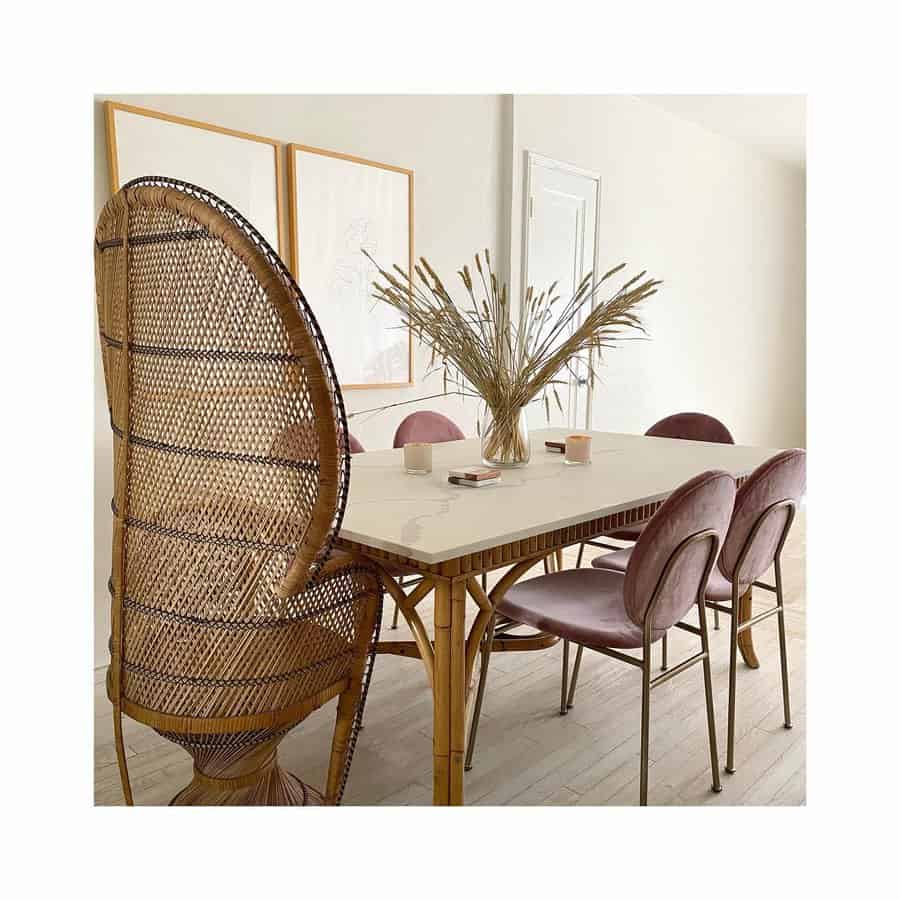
<point>710,711</point>
<point>564,693</point>
<point>486,647</point>
<point>782,643</point>
<point>645,723</point>
<point>716,619</point>
<point>571,701</point>
<point>732,680</point>
<point>665,652</point>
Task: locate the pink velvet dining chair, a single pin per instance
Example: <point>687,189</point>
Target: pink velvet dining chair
<point>688,426</point>
<point>612,611</point>
<point>428,427</point>
<point>764,511</point>
<point>685,426</point>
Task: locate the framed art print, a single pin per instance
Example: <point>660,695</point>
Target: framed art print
<point>242,169</point>
<point>339,206</point>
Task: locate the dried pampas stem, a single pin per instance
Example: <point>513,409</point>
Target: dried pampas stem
<point>508,365</point>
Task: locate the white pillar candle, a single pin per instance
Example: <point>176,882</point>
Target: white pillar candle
<point>578,449</point>
<point>417,458</point>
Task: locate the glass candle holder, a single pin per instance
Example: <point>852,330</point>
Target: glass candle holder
<point>578,449</point>
<point>417,458</point>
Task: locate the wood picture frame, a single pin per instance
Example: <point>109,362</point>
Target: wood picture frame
<point>271,226</point>
<point>295,161</point>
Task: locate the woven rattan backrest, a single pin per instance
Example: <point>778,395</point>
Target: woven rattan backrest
<point>211,357</point>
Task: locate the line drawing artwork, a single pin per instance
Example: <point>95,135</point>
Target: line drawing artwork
<point>342,207</point>
<point>353,274</point>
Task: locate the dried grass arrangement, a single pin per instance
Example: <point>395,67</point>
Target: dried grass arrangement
<point>509,366</point>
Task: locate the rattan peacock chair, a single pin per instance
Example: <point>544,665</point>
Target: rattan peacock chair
<point>231,622</point>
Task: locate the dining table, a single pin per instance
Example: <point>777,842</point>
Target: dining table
<point>449,536</point>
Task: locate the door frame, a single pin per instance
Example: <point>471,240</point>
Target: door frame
<point>533,158</point>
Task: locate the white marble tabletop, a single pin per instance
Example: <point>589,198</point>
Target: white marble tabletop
<point>424,517</point>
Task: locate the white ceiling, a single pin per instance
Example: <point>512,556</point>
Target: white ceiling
<point>773,124</point>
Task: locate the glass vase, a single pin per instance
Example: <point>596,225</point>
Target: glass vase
<point>504,437</point>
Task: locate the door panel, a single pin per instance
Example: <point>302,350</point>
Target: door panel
<point>561,246</point>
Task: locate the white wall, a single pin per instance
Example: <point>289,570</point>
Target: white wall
<point>455,146</point>
<point>723,227</point>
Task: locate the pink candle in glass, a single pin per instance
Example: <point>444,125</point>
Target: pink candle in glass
<point>578,449</point>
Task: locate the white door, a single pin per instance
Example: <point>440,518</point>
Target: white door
<point>562,204</point>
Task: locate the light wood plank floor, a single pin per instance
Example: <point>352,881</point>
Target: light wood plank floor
<point>527,753</point>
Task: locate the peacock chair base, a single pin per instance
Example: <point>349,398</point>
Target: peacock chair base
<point>275,788</point>
<point>242,774</point>
<point>279,788</point>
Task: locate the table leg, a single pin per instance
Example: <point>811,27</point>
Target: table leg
<point>441,731</point>
<point>449,662</point>
<point>449,692</point>
<point>745,638</point>
<point>458,690</point>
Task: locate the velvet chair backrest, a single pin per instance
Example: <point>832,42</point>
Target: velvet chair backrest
<point>427,427</point>
<point>705,502</point>
<point>783,477</point>
<point>291,442</point>
<point>691,426</point>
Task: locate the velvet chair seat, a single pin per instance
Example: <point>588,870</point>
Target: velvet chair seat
<point>718,588</point>
<point>586,606</point>
<point>613,562</point>
<point>627,534</point>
